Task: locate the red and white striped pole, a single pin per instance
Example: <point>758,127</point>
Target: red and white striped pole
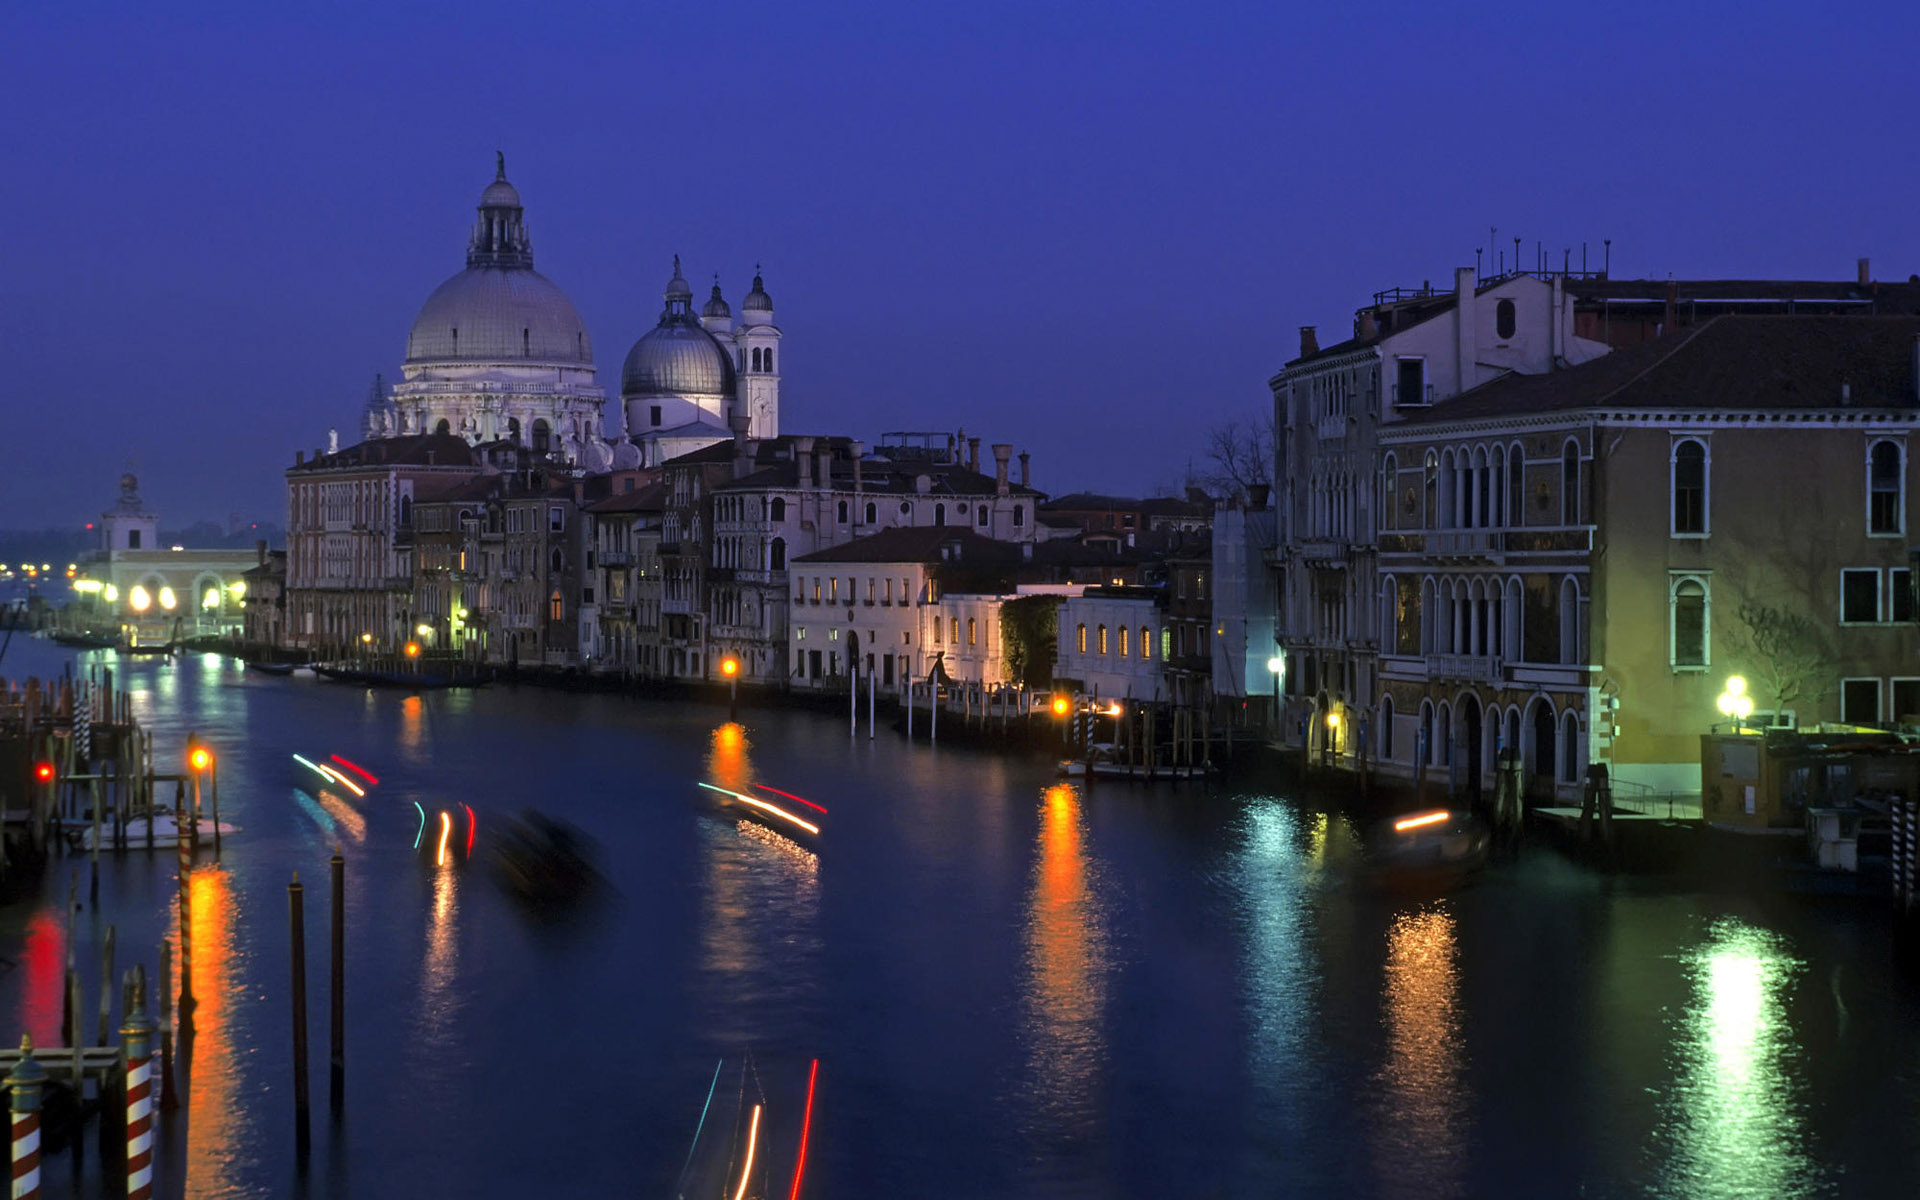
<point>28,1080</point>
<point>136,1037</point>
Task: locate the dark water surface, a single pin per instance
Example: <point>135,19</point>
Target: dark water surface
<point>1013,987</point>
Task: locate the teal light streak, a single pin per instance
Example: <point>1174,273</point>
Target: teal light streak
<point>423,825</point>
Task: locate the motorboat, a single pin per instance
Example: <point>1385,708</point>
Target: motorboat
<point>543,860</point>
<point>1437,847</point>
<point>786,814</point>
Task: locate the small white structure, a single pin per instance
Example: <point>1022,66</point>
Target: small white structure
<point>1110,643</point>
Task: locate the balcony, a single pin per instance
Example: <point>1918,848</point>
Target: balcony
<point>1324,552</point>
<point>616,558</point>
<point>1479,545</point>
<point>1414,397</point>
<point>1467,668</point>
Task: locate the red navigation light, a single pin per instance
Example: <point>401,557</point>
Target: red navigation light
<point>361,771</point>
<point>789,795</point>
<point>43,772</point>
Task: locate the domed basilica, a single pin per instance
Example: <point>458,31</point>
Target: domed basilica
<point>498,352</point>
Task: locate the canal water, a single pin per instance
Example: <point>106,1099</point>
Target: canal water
<point>1012,986</point>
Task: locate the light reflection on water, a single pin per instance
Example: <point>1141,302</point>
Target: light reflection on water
<point>1734,1118</point>
<point>221,1135</point>
<point>1065,993</point>
<point>441,997</point>
<point>1274,879</point>
<point>1422,1124</point>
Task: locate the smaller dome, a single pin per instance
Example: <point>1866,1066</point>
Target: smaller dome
<point>677,358</point>
<point>500,194</point>
<point>757,300</point>
<point>716,304</point>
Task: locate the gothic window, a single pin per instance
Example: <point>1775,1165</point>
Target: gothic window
<point>406,511</point>
<point>1389,480</point>
<point>1516,486</point>
<point>779,508</point>
<point>1689,488</point>
<point>841,512</point>
<point>1019,515</point>
<point>558,561</point>
<point>873,512</point>
<point>1885,512</point>
<point>556,607</point>
<point>1431,471</point>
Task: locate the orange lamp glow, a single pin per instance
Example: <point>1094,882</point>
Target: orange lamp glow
<point>729,667</point>
<point>43,772</point>
<point>200,758</point>
<point>1060,706</point>
<point>413,649</point>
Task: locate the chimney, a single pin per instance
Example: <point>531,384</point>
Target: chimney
<point>299,458</point>
<point>1368,328</point>
<point>260,551</point>
<point>1026,477</point>
<point>823,464</point>
<point>739,422</point>
<point>1466,339</point>
<point>1673,298</point>
<point>803,458</point>
<point>859,481</point>
<point>1866,275</point>
<point>973,454</point>
<point>1309,343</point>
<point>1001,453</point>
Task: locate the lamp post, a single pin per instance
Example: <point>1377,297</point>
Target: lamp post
<point>730,667</point>
<point>1278,665</point>
<point>1736,703</point>
<point>1333,735</point>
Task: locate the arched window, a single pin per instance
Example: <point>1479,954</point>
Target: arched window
<point>1389,483</point>
<point>756,358</point>
<point>1019,515</point>
<point>1570,484</point>
<point>873,512</point>
<point>939,514</point>
<point>1080,638</point>
<point>441,426</point>
<point>1146,642</point>
<point>1569,748</point>
<point>1885,511</point>
<point>557,560</point>
<point>1689,487</point>
<point>768,360</point>
<point>1430,514</point>
<point>778,558</point>
<point>1424,751</point>
<point>971,627</point>
<point>1689,622</point>
<point>1386,728</point>
<point>1126,641</point>
<point>406,511</point>
<point>1570,648</point>
<point>840,512</point>
<point>982,514</point>
<point>1497,473</point>
<point>779,508</point>
<point>1503,322</point>
<point>542,437</point>
<point>1516,487</point>
<point>556,607</point>
<point>1103,640</point>
<point>513,428</point>
<point>1443,737</point>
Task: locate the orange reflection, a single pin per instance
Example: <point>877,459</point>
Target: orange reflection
<point>412,724</point>
<point>344,815</point>
<point>216,1135</point>
<point>1066,971</point>
<point>1418,1148</point>
<point>443,949</point>
<point>727,757</point>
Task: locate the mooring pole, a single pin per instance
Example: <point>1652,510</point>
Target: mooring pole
<point>27,1081</point>
<point>136,1035</point>
<point>187,1003</point>
<point>297,943</point>
<point>106,985</point>
<point>338,1066</point>
<point>909,711</point>
<point>168,1100</point>
<point>871,701</point>
<point>213,784</point>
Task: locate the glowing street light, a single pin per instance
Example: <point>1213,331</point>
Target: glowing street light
<point>168,599</point>
<point>138,599</point>
<point>413,649</point>
<point>1735,703</point>
<point>200,758</point>
<point>1061,705</point>
<point>112,594</point>
<point>211,600</point>
<point>730,667</point>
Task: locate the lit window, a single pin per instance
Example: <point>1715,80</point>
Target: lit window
<point>1103,639</point>
<point>971,631</point>
<point>556,607</point>
<point>1081,638</point>
<point>1146,642</point>
<point>1125,640</point>
<point>956,631</point>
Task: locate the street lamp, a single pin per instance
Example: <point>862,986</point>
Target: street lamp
<point>1333,734</point>
<point>1278,665</point>
<point>1735,703</point>
<point>730,667</point>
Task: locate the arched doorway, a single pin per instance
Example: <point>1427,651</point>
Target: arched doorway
<point>1472,743</point>
<point>1540,751</point>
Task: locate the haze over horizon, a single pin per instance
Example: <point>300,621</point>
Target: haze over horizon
<point>1091,231</point>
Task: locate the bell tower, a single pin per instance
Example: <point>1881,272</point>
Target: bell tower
<point>758,339</point>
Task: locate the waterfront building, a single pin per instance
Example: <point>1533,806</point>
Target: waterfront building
<point>151,592</point>
<point>1574,564</point>
<point>498,352</point>
<point>1246,646</point>
<point>625,532</point>
<point>350,533</point>
<point>1110,643</point>
<point>1411,353</point>
<point>263,601</point>
<point>1187,641</point>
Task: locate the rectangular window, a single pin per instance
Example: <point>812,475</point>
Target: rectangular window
<point>1900,594</point>
<point>816,589</point>
<point>1410,381</point>
<point>833,589</point>
<point>870,589</point>
<point>956,631</point>
<point>1860,701</point>
<point>1906,701</point>
<point>1859,596</point>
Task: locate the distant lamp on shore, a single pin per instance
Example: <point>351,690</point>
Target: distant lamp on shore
<point>1735,703</point>
<point>167,599</point>
<point>413,649</point>
<point>138,599</point>
<point>211,600</point>
<point>1060,706</point>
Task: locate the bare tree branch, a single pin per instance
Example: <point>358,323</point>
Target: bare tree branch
<point>1236,456</point>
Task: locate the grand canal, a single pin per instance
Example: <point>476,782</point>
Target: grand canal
<point>1012,987</point>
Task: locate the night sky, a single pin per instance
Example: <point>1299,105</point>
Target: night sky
<point>1091,230</point>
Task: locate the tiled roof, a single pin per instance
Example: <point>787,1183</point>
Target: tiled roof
<point>1088,501</point>
<point>646,499</point>
<point>919,544</point>
<point>1730,362</point>
<point>415,450</point>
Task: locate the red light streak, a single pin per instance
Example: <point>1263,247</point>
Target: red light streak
<point>471,823</point>
<point>806,1127</point>
<point>362,772</point>
<point>758,803</point>
<point>789,795</point>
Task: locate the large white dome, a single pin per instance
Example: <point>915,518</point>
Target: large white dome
<point>499,314</point>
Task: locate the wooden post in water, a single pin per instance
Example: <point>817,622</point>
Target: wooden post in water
<point>872,699</point>
<point>338,1064</point>
<point>297,944</point>
<point>168,1100</point>
<point>909,711</point>
<point>93,883</point>
<point>213,783</point>
<point>187,1003</point>
<point>106,986</point>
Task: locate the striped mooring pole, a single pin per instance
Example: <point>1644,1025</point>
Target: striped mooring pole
<point>136,1036</point>
<point>28,1080</point>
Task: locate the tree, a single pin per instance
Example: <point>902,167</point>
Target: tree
<point>1029,626</point>
<point>1789,652</point>
<point>1237,456</point>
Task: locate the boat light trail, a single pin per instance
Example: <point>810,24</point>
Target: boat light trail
<point>789,795</point>
<point>356,768</point>
<point>806,1126</point>
<point>470,826</point>
<point>1432,818</point>
<point>342,780</point>
<point>423,825</point>
<point>315,767</point>
<point>753,1136</point>
<point>703,1116</point>
<point>446,827</point>
<point>758,803</point>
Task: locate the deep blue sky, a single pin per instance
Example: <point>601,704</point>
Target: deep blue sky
<point>1091,230</point>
